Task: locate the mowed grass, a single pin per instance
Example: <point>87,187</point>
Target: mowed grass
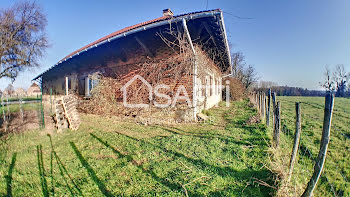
<point>335,180</point>
<point>107,157</point>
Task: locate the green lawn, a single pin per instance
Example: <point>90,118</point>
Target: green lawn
<point>225,157</point>
<point>27,98</point>
<point>335,180</point>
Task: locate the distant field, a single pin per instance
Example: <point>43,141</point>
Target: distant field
<point>27,98</point>
<point>336,177</point>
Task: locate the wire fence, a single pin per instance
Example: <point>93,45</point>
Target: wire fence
<point>21,113</point>
<point>263,104</point>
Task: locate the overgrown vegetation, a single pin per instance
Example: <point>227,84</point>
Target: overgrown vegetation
<point>336,175</point>
<point>237,89</point>
<point>226,157</point>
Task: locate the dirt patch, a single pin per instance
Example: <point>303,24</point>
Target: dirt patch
<point>30,121</point>
<point>253,120</point>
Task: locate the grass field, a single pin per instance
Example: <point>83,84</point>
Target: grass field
<point>226,157</point>
<point>335,180</point>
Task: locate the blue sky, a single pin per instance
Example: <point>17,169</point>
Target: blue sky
<point>288,42</point>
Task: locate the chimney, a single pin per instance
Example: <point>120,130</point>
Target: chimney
<point>168,12</point>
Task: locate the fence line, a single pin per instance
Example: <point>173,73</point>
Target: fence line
<point>14,116</point>
<point>296,139</point>
<point>259,99</point>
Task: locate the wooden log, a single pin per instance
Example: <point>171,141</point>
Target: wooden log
<point>296,140</point>
<point>277,125</point>
<point>327,121</point>
<point>70,112</point>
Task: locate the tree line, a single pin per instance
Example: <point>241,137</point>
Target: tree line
<point>291,91</point>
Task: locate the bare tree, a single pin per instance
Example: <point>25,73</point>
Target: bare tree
<point>340,77</point>
<point>243,72</point>
<point>9,90</point>
<point>249,76</point>
<point>22,38</point>
<point>328,82</point>
<point>237,63</point>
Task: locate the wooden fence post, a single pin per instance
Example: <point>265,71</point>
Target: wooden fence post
<point>273,106</point>
<point>296,139</point>
<point>8,108</point>
<point>268,108</point>
<point>327,120</point>
<point>3,114</point>
<point>277,125</point>
<point>262,111</point>
<point>273,100</point>
<point>259,102</point>
<point>21,108</point>
<point>3,109</point>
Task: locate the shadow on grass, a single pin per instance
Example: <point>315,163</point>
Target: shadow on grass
<point>227,139</point>
<point>90,171</point>
<point>242,176</point>
<point>9,175</point>
<point>63,173</point>
<point>165,182</point>
<point>41,168</point>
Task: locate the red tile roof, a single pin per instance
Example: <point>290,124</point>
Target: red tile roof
<point>126,29</point>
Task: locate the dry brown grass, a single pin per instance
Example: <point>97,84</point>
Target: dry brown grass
<point>279,165</point>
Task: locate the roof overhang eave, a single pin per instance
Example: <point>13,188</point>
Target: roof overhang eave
<point>149,26</point>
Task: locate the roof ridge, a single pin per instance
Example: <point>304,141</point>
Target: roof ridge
<point>125,29</point>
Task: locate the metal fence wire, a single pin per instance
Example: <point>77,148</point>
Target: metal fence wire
<point>20,113</point>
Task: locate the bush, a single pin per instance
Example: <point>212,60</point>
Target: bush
<point>237,90</point>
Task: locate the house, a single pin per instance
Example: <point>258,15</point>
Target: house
<point>9,91</point>
<point>34,90</point>
<point>20,92</point>
<point>188,52</point>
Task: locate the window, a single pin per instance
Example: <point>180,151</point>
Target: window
<point>90,83</point>
<point>203,88</point>
<point>211,86</point>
